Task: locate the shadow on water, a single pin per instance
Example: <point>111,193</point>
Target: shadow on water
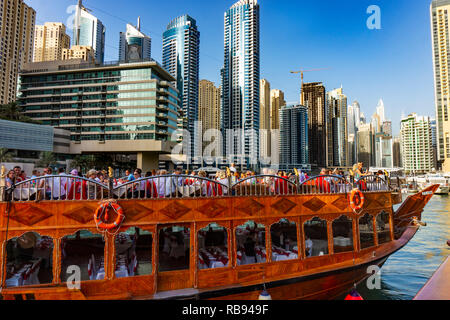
<point>407,271</point>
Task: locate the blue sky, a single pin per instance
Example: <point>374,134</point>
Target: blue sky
<point>394,63</point>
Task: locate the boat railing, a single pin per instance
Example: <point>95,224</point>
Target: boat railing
<point>372,184</point>
<point>171,186</point>
<point>71,188</point>
<point>264,185</point>
<point>57,187</point>
<point>325,184</point>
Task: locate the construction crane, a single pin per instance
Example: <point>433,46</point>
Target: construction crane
<point>302,102</point>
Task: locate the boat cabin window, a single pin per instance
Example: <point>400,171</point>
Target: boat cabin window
<point>174,245</point>
<point>133,253</point>
<point>85,250</point>
<point>383,228</point>
<point>366,236</point>
<point>284,240</point>
<point>251,243</point>
<point>213,247</point>
<point>343,235</point>
<point>316,237</point>
<point>29,260</point>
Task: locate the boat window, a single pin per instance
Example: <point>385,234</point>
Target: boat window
<point>343,234</point>
<point>133,253</point>
<point>213,247</point>
<point>86,251</point>
<point>383,228</point>
<point>251,243</point>
<point>284,240</point>
<point>29,260</point>
<point>366,236</point>
<point>174,243</point>
<point>316,237</point>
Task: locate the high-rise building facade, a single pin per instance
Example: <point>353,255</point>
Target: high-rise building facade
<point>337,128</point>
<point>116,108</point>
<point>294,137</point>
<point>366,145</point>
<point>240,81</point>
<point>314,97</point>
<point>440,35</point>
<point>181,58</point>
<point>49,41</point>
<point>17,21</point>
<point>89,31</point>
<point>79,52</point>
<point>397,142</point>
<point>209,114</point>
<point>434,142</point>
<point>264,119</point>
<point>276,103</point>
<point>134,45</point>
<point>417,146</point>
<point>353,122</point>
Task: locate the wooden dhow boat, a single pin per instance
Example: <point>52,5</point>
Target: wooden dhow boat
<point>184,237</point>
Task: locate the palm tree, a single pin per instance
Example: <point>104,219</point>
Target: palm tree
<point>14,112</point>
<point>5,155</point>
<point>47,159</point>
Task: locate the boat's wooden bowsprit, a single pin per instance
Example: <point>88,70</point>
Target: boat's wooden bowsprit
<point>201,239</point>
<point>437,288</point>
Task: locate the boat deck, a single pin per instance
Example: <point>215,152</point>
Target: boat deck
<point>437,287</point>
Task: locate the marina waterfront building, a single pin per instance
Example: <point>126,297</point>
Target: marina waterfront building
<point>181,58</point>
<point>134,45</point>
<point>84,53</point>
<point>276,103</point>
<point>49,41</point>
<point>337,128</point>
<point>122,108</point>
<point>89,31</point>
<point>314,97</point>
<point>209,114</point>
<point>264,119</point>
<point>417,146</point>
<point>240,82</point>
<point>17,21</point>
<point>366,145</point>
<point>294,137</point>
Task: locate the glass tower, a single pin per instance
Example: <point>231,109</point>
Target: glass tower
<point>181,58</point>
<point>240,81</point>
<point>134,45</point>
<point>89,31</point>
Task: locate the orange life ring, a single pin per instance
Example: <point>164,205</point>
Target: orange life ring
<point>353,200</point>
<point>104,209</point>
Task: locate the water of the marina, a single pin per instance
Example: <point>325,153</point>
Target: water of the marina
<point>407,271</point>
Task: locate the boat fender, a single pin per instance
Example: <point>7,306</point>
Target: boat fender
<point>103,209</point>
<point>356,206</point>
<point>354,295</point>
<point>265,296</point>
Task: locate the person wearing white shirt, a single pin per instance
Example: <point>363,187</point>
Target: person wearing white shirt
<point>308,246</point>
<point>59,187</point>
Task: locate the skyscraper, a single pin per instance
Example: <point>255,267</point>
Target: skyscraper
<point>276,103</point>
<point>353,123</point>
<point>313,94</point>
<point>337,128</point>
<point>16,45</point>
<point>89,31</point>
<point>440,35</point>
<point>366,145</point>
<point>293,137</point>
<point>181,58</point>
<point>209,112</point>
<point>264,119</point>
<point>134,45</point>
<point>49,41</point>
<point>240,81</point>
<point>417,146</point>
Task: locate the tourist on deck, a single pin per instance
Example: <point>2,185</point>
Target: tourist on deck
<point>92,187</point>
<point>59,186</point>
<point>17,174</point>
<point>10,179</point>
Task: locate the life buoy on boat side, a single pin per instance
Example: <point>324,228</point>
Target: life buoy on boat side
<point>354,204</point>
<point>103,210</point>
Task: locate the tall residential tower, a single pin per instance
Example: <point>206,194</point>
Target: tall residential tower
<point>16,45</point>
<point>134,45</point>
<point>181,58</point>
<point>240,81</point>
<point>49,41</point>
